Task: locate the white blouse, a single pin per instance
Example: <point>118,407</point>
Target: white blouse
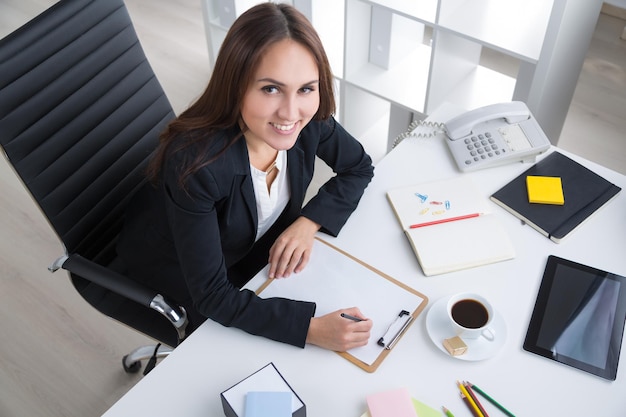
<point>270,204</point>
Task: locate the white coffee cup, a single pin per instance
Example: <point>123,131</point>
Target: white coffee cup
<point>471,316</point>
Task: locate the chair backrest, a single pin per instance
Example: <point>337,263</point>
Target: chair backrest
<point>80,113</point>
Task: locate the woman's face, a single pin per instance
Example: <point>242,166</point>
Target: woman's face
<point>283,96</point>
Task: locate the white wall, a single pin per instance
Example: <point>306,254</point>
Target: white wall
<point>618,3</point>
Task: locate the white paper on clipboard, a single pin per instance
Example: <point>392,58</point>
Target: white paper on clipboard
<point>334,280</point>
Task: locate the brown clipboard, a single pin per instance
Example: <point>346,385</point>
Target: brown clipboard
<point>385,351</point>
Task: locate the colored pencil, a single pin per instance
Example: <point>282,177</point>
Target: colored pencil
<point>467,401</point>
<point>447,412</point>
<point>449,219</point>
<point>471,402</point>
<point>475,399</point>
<point>491,400</point>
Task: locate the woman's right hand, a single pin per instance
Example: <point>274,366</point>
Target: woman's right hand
<point>338,333</point>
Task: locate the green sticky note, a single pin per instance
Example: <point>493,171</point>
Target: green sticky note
<point>424,410</point>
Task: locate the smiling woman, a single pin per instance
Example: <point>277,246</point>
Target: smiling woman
<point>229,180</point>
<point>280,102</point>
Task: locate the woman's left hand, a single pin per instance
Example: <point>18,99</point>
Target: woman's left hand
<point>292,250</point>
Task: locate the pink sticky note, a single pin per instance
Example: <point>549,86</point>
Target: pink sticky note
<point>395,403</point>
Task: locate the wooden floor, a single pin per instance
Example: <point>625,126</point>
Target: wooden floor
<point>58,357</point>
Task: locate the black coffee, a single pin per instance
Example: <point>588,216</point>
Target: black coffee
<point>470,314</point>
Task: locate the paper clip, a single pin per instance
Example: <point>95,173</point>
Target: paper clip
<point>422,197</point>
<point>395,330</point>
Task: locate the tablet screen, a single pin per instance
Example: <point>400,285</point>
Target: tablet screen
<point>579,317</point>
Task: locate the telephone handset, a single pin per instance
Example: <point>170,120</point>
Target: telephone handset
<point>495,135</point>
<point>488,136</point>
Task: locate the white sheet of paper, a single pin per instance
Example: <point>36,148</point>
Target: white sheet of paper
<point>334,281</point>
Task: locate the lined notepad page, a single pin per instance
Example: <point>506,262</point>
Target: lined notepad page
<point>334,281</point>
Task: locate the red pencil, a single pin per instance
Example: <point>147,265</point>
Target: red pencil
<point>449,219</point>
<point>475,413</point>
<point>471,393</point>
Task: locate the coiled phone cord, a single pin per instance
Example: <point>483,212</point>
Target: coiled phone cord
<point>432,129</point>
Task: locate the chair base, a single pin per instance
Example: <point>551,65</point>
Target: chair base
<point>132,361</point>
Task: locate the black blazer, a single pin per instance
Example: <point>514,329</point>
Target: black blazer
<point>198,245</point>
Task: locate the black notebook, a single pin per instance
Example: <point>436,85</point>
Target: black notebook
<point>584,193</point>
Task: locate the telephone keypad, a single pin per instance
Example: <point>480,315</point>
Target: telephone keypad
<point>482,146</point>
<point>495,135</point>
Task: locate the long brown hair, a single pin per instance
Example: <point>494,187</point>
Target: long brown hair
<point>240,54</point>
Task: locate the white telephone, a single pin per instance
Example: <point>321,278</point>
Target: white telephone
<point>495,135</point>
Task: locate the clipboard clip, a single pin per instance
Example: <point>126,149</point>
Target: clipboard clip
<point>395,330</point>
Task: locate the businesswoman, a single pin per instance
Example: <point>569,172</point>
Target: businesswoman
<point>228,182</point>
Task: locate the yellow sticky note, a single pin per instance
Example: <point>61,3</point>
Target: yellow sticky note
<point>545,190</point>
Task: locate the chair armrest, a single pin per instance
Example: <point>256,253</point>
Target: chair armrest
<point>124,286</point>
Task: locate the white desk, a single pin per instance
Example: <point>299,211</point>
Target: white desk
<point>189,381</point>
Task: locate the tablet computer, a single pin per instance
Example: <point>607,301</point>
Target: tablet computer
<point>578,318</point>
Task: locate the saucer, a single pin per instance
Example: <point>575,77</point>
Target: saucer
<point>439,328</point>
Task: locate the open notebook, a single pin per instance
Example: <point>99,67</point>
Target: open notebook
<point>449,226</point>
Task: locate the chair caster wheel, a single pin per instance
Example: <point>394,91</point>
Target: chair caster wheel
<point>133,368</point>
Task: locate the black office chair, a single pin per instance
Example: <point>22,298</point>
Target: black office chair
<point>80,113</point>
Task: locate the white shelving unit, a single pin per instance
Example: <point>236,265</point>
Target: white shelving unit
<point>397,60</point>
